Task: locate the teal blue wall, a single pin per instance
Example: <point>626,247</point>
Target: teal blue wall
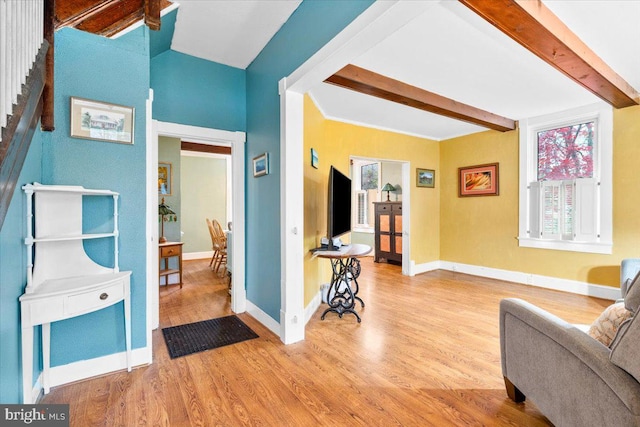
<point>160,41</point>
<point>187,90</point>
<point>116,71</point>
<point>13,278</point>
<point>194,91</point>
<point>311,26</point>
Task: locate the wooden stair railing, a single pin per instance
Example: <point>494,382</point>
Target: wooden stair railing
<point>35,100</point>
<point>17,135</point>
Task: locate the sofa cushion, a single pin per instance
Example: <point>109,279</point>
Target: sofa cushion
<point>604,328</point>
<point>632,298</point>
<point>625,347</point>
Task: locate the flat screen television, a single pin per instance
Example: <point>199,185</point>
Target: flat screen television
<point>339,206</point>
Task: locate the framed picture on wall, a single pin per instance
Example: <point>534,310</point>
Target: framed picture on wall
<point>425,178</point>
<point>480,180</point>
<point>261,165</point>
<point>165,178</point>
<point>101,121</point>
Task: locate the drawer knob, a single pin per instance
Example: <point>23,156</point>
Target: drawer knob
<point>104,296</point>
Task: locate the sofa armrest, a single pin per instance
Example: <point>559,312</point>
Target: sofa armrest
<point>561,368</point>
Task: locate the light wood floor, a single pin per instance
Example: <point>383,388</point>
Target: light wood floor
<point>426,354</point>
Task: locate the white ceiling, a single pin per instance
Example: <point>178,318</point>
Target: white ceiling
<point>447,49</point>
<point>230,32</point>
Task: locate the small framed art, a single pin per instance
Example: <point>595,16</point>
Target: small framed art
<point>164,178</point>
<point>261,165</point>
<point>425,178</point>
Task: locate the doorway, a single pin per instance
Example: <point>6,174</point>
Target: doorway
<point>205,136</point>
<point>395,172</point>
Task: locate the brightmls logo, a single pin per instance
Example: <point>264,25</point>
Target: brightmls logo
<point>34,415</point>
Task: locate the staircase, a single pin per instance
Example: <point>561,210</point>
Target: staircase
<point>26,66</point>
<point>23,51</point>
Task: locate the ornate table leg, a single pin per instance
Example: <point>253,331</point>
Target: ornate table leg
<point>343,300</point>
<point>354,268</point>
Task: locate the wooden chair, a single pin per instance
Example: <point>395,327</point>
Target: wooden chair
<point>219,245</point>
<point>212,233</point>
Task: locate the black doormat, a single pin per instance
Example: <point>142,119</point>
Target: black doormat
<point>200,336</point>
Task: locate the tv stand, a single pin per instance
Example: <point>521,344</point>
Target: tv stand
<point>344,284</point>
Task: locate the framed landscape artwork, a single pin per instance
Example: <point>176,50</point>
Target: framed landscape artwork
<point>480,180</point>
<point>261,165</point>
<point>425,178</point>
<point>101,121</point>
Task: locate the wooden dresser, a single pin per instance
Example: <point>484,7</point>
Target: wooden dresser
<point>388,232</point>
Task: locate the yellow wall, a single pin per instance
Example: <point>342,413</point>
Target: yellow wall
<point>335,142</point>
<point>482,231</point>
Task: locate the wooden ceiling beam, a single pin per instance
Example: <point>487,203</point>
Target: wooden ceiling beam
<point>108,17</point>
<point>205,148</point>
<point>152,10</point>
<point>366,81</point>
<point>534,26</point>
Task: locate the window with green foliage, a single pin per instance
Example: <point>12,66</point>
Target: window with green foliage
<point>369,176</point>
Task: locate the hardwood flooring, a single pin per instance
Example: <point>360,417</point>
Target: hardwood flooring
<point>426,354</point>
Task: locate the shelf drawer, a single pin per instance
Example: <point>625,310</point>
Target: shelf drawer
<point>94,300</point>
<point>168,251</point>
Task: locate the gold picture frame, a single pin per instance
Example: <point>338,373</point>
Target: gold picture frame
<point>425,178</point>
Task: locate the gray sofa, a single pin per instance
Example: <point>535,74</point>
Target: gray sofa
<point>570,377</point>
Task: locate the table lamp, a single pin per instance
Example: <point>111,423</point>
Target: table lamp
<point>162,211</point>
<point>388,187</point>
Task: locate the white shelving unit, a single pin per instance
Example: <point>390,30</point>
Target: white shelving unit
<point>64,281</point>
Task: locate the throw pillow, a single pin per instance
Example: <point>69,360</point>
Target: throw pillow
<point>604,328</point>
<point>632,298</point>
<point>624,349</point>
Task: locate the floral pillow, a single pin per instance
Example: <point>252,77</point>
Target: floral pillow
<point>605,327</point>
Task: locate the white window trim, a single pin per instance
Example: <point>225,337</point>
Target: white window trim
<point>356,172</point>
<point>601,112</point>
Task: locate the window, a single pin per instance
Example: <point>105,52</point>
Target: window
<point>565,180</point>
<point>366,190</point>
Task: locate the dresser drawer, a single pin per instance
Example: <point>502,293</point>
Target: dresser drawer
<point>94,300</point>
<point>168,251</point>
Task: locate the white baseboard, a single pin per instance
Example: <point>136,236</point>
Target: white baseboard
<point>197,255</point>
<point>423,268</point>
<point>263,318</point>
<point>84,369</point>
<point>310,309</point>
<point>565,285</point>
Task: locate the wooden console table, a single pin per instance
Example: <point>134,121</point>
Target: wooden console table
<point>170,250</point>
<point>343,290</point>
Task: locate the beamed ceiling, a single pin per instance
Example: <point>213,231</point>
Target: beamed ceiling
<point>457,67</point>
<point>107,17</point>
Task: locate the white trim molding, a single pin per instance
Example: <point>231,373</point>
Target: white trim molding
<point>548,282</point>
<point>263,318</point>
<point>84,369</point>
<point>602,243</point>
<point>234,139</point>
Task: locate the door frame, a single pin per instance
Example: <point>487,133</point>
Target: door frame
<point>406,205</point>
<point>207,136</point>
<point>373,25</point>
